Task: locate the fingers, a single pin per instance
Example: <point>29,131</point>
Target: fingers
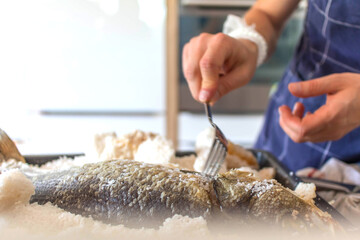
<point>303,129</point>
<point>332,120</point>
<point>205,60</point>
<point>316,87</point>
<point>191,55</point>
<point>212,66</point>
<point>298,110</point>
<point>238,77</point>
<point>290,123</point>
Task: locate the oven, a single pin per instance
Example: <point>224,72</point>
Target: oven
<point>197,16</point>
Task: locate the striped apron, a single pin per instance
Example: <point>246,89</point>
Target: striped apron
<point>330,44</point>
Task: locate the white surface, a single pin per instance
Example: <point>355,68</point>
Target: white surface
<point>241,129</point>
<point>89,55</point>
<point>82,54</point>
<point>37,134</point>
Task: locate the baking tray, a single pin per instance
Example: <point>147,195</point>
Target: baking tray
<point>265,159</point>
<point>41,159</point>
<point>288,179</point>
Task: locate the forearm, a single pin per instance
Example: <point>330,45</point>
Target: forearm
<point>269,17</point>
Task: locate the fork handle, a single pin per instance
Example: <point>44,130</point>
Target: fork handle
<point>208,112</point>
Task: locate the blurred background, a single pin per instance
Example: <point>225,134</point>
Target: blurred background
<point>72,68</point>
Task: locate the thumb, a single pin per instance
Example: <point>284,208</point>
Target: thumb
<point>315,87</point>
<point>210,72</point>
<point>208,87</point>
<point>212,67</point>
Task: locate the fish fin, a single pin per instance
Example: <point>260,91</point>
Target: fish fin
<point>8,149</point>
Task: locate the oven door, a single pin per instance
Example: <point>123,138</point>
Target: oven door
<point>198,16</point>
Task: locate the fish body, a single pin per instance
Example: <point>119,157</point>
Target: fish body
<point>126,192</point>
<point>144,195</point>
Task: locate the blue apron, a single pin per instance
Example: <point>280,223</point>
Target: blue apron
<point>330,44</point>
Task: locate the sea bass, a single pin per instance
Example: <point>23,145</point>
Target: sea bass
<point>144,195</point>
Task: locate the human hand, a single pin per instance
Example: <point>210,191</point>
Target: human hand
<point>214,65</point>
<point>332,121</point>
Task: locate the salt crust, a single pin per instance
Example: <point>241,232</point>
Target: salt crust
<point>257,187</point>
<point>306,191</point>
<point>15,189</point>
<point>157,151</point>
<point>20,220</point>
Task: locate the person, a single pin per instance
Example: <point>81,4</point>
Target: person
<point>315,113</point>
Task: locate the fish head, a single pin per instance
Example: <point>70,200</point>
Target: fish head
<point>242,195</point>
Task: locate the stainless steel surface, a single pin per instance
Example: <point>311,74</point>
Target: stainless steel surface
<point>322,184</point>
<point>218,149</point>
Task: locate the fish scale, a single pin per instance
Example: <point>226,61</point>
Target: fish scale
<point>131,199</point>
<point>144,195</point>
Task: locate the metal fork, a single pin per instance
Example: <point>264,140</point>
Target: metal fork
<point>218,149</point>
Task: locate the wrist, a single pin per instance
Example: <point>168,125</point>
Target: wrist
<point>251,47</point>
<point>237,28</point>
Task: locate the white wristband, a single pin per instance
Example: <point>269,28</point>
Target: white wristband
<point>236,27</point>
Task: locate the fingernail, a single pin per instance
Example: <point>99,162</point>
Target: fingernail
<point>294,107</point>
<point>204,95</point>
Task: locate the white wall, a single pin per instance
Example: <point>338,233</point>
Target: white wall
<point>82,55</point>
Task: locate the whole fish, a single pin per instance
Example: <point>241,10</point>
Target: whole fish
<point>144,195</point>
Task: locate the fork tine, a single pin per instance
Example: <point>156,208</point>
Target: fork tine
<point>220,160</point>
<point>214,164</point>
<point>211,152</point>
<point>218,163</point>
<point>218,148</point>
<point>217,154</point>
<point>213,158</point>
<point>208,168</point>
